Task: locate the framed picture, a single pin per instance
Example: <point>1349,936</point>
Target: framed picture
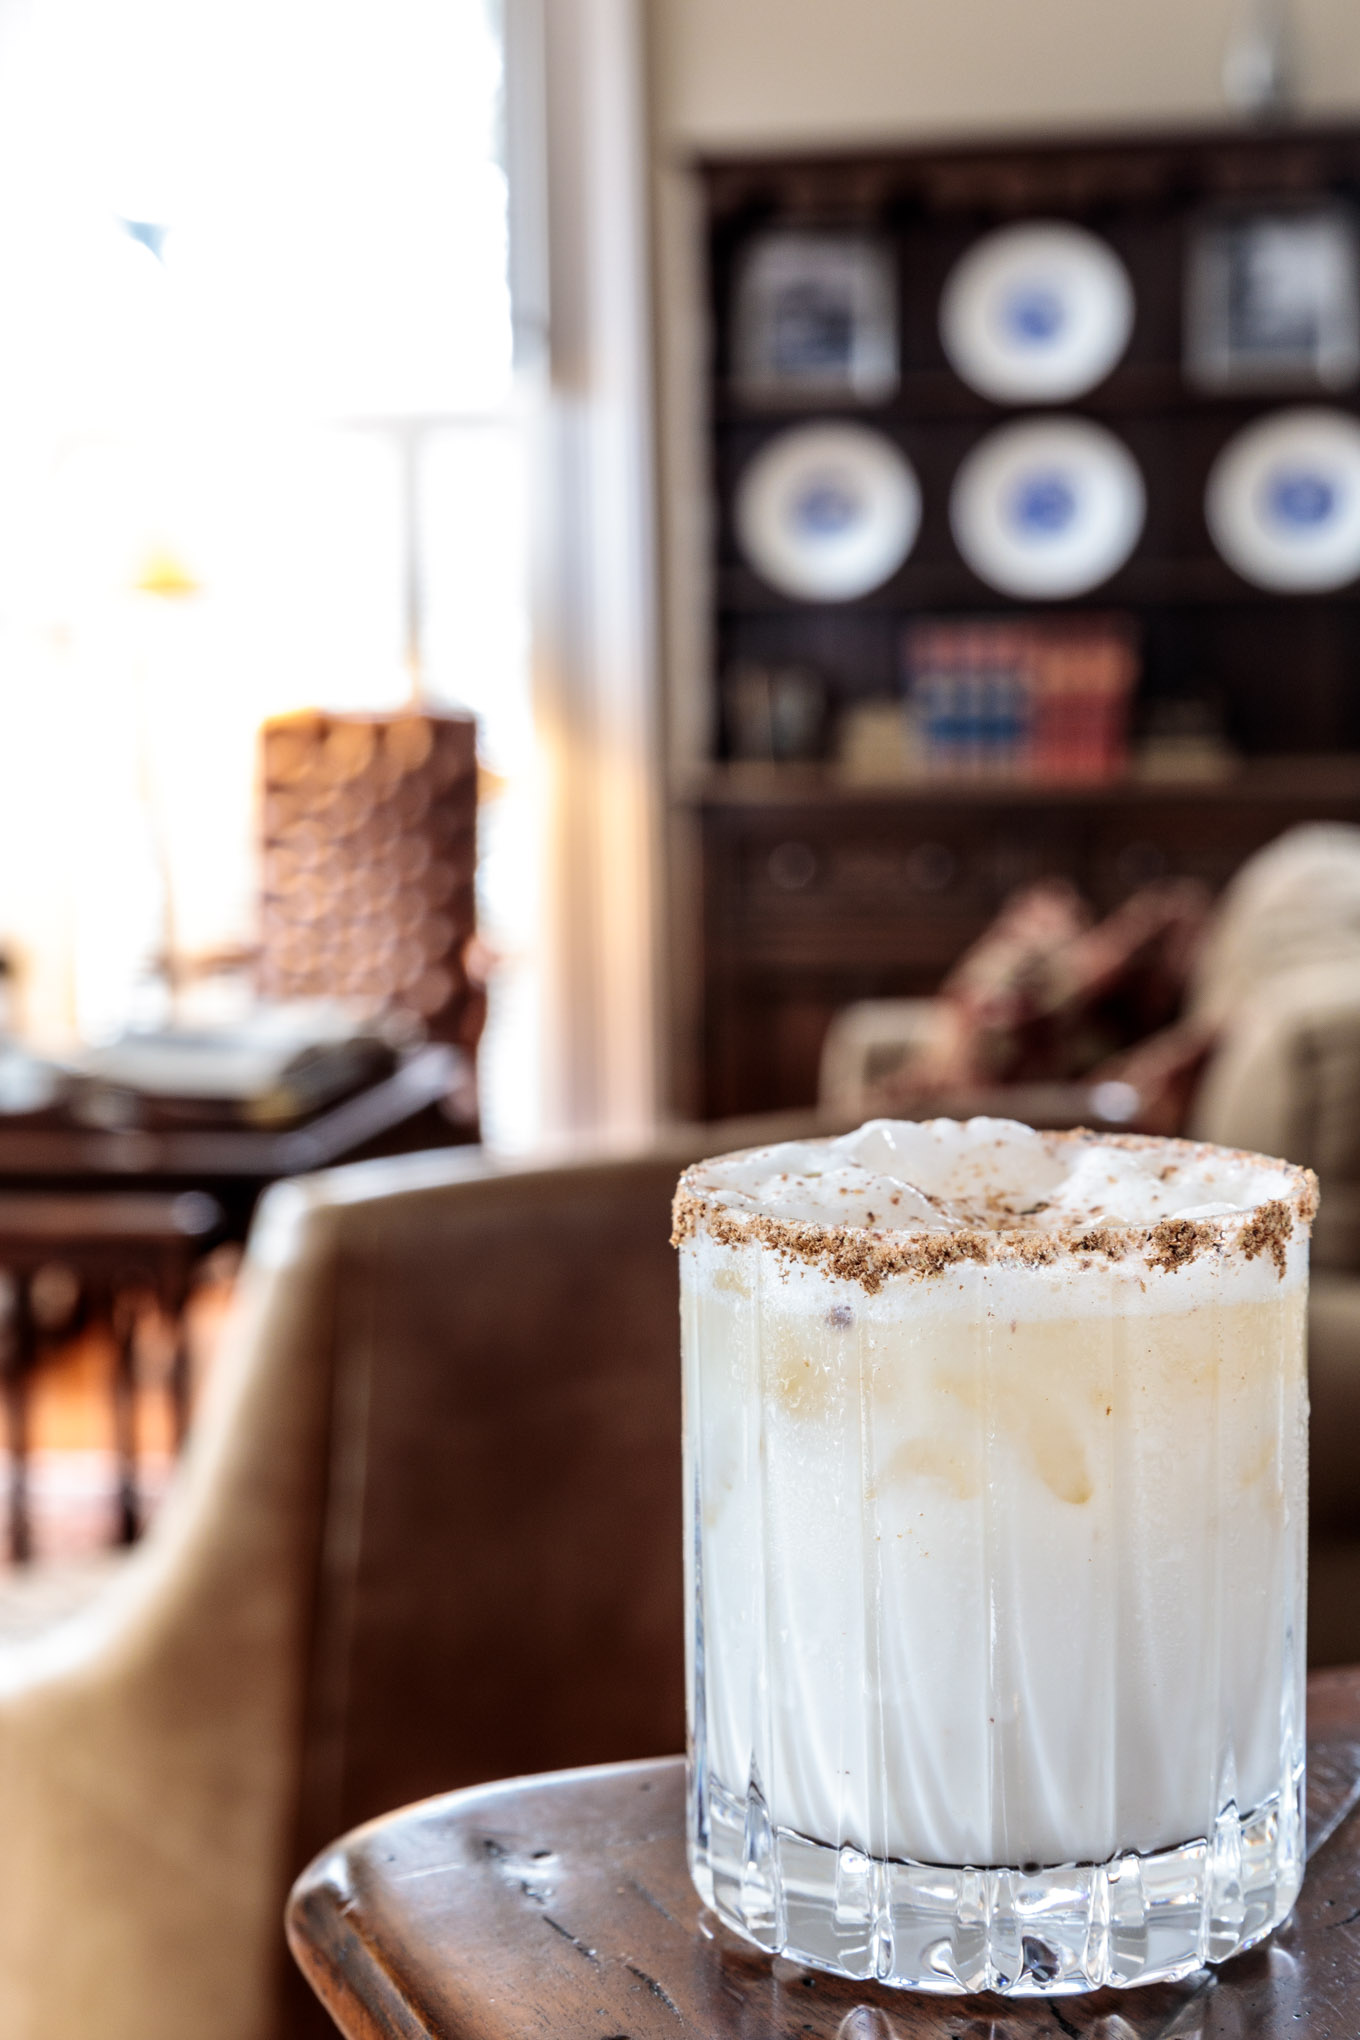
<point>815,319</point>
<point>1272,300</point>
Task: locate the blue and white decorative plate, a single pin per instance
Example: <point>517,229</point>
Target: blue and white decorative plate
<point>827,512</point>
<point>1047,508</point>
<point>1036,314</point>
<point>1283,500</point>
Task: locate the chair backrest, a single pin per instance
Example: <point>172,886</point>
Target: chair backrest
<point>499,1579</point>
<point>500,1565</point>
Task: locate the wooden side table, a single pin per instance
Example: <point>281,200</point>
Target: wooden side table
<point>117,1247</point>
<point>560,1908</point>
<point>428,1101</point>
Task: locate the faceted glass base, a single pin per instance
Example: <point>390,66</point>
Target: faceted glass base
<point>1024,1933</point>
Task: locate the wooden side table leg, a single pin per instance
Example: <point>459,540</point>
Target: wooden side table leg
<point>20,1355</point>
<point>123,1318</point>
<point>174,1301</point>
<point>179,1385</point>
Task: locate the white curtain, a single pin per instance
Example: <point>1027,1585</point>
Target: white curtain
<point>578,167</point>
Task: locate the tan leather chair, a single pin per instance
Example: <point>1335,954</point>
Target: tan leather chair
<point>428,1532</point>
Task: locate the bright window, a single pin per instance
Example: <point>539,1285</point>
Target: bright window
<point>254,261</point>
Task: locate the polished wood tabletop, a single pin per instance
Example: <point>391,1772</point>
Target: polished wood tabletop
<point>556,1907</point>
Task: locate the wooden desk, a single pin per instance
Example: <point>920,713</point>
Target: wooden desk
<point>408,1110</point>
<point>128,1209</point>
<point>559,1907</point>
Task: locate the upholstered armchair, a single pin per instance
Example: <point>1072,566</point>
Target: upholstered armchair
<point>427,1532</point>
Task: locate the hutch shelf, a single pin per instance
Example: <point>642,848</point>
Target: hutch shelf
<point>797,891</point>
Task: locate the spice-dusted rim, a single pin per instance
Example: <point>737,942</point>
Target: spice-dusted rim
<point>868,1254</point>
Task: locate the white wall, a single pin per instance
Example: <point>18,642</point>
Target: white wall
<point>750,74</point>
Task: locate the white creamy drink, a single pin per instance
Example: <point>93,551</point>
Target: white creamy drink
<point>996,1492</point>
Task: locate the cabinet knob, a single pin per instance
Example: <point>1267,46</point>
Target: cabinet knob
<point>792,866</point>
<point>1139,862</point>
<point>930,867</point>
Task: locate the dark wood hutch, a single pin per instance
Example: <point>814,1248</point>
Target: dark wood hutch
<point>808,892</point>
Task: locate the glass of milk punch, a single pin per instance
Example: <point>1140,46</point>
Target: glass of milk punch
<point>995,1494</point>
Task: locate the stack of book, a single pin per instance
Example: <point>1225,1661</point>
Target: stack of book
<point>1029,698</point>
